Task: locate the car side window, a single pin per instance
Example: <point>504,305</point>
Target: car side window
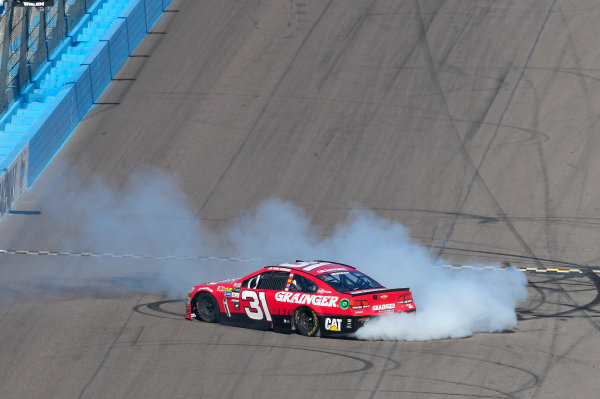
<point>252,282</point>
<point>272,280</point>
<point>303,284</point>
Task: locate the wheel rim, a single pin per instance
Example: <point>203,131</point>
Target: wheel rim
<point>307,321</point>
<point>206,308</point>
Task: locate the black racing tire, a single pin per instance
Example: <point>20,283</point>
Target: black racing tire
<point>207,308</point>
<point>306,322</point>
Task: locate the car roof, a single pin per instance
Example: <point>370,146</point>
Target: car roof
<point>314,268</point>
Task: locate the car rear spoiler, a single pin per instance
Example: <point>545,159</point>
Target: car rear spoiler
<point>328,261</point>
<point>376,291</point>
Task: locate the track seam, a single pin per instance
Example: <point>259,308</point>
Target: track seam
<point>496,130</point>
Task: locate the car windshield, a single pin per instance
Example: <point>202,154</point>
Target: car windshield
<point>350,281</point>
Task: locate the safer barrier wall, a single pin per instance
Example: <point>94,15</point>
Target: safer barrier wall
<point>135,23</point>
<point>60,118</point>
<point>13,182</point>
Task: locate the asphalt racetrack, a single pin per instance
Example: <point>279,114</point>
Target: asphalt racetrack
<point>473,123</point>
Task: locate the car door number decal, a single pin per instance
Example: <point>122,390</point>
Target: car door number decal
<point>257,305</point>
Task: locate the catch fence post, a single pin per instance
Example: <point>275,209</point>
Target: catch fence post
<point>8,19</point>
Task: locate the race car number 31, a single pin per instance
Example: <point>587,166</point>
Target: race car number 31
<point>257,305</point>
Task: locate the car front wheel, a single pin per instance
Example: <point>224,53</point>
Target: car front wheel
<point>206,308</point>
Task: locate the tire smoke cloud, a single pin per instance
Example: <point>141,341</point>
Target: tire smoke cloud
<point>151,216</point>
<point>450,303</point>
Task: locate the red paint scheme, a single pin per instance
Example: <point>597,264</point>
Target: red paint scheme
<point>242,303</point>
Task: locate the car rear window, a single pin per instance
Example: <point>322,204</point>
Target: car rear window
<point>350,281</point>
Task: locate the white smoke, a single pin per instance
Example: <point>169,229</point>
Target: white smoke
<point>144,237</point>
<point>151,217</point>
<point>453,304</point>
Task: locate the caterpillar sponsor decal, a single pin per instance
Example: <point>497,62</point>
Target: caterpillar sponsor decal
<point>306,299</point>
<point>332,324</point>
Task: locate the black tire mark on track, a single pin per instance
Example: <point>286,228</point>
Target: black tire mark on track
<point>389,365</point>
<point>588,223</point>
<point>451,382</point>
<point>347,42</point>
<point>576,308</point>
<point>156,307</point>
<point>534,379</point>
<point>535,259</point>
<point>464,151</point>
<point>476,175</point>
<point>520,311</point>
<point>366,364</point>
<point>551,354</point>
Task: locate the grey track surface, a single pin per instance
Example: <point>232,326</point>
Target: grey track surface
<point>474,123</point>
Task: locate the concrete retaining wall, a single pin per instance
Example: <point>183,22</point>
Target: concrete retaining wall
<point>13,182</point>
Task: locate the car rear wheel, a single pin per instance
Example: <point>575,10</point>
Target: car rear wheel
<point>206,308</point>
<point>306,322</point>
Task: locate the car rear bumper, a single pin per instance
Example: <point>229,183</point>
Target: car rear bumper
<point>364,320</point>
<point>339,325</point>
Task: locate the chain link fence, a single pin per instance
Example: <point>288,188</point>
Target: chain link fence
<point>28,36</point>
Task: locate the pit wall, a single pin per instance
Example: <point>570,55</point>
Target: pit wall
<point>75,98</point>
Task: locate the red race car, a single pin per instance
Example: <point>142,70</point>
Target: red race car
<point>309,297</point>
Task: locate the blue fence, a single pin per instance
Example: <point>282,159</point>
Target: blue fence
<point>28,35</point>
<point>36,125</point>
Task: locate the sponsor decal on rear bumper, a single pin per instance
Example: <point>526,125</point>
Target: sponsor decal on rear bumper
<point>387,306</point>
<point>333,324</point>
